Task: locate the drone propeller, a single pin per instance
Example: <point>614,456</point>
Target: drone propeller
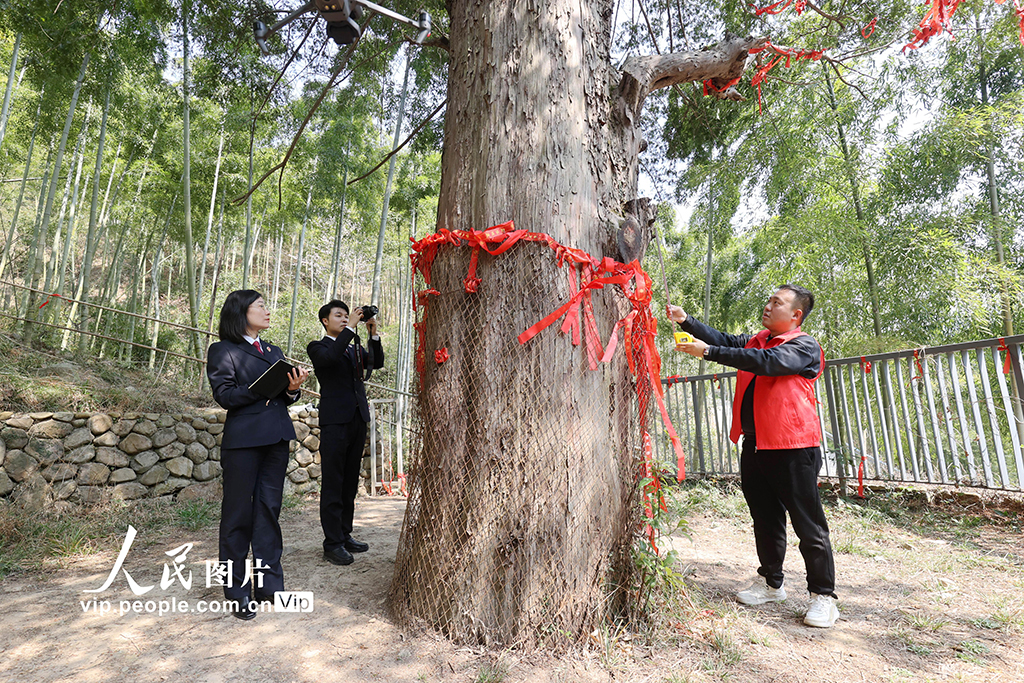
<point>341,17</point>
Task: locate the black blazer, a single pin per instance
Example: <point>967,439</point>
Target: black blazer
<point>252,419</point>
<point>342,392</point>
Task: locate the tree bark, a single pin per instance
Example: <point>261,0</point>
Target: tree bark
<point>521,514</point>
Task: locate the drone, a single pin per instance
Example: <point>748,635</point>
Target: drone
<point>342,18</point>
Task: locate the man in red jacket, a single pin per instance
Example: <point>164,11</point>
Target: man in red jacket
<point>774,410</point>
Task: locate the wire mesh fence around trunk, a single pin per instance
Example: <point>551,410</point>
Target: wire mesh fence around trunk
<point>521,510</point>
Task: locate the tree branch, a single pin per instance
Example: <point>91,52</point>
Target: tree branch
<point>295,140</point>
<point>404,142</point>
<point>720,64</point>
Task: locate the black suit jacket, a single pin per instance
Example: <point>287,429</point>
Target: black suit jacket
<point>252,419</point>
<point>342,392</point>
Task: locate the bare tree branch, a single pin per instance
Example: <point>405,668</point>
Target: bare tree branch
<point>720,64</point>
<point>404,142</point>
<point>295,140</point>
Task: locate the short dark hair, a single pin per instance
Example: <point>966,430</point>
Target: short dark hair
<point>233,323</point>
<point>325,310</point>
<point>802,299</point>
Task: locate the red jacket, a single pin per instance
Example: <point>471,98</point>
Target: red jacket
<point>785,414</point>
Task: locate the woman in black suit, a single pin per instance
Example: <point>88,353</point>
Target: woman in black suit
<point>254,449</point>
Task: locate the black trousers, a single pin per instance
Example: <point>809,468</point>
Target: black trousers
<point>775,481</point>
<point>341,456</point>
<point>253,487</point>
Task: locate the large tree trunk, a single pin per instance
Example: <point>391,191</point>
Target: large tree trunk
<point>520,516</point>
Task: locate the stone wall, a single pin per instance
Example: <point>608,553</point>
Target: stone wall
<point>54,460</point>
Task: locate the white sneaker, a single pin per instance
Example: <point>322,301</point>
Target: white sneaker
<point>822,612</point>
<point>760,592</point>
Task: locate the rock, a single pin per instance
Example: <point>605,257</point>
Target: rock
<point>199,424</point>
<point>135,443</point>
<point>46,451</point>
<point>215,453</point>
<point>165,421</point>
<point>301,430</point>
<point>180,466</point>
<point>78,438</point>
<point>64,489</point>
<point>154,475</point>
<point>206,439</point>
<point>144,460</point>
<point>20,465</point>
<point>186,433</point>
<point>3,452</point>
<point>80,455</point>
<point>314,471</point>
<point>50,429</point>
<point>215,429</point>
<point>311,442</point>
<point>205,471</point>
<point>6,485</point>
<point>162,437</point>
<point>61,471</point>
<point>306,487</point>
<point>14,437</point>
<point>299,475</point>
<point>171,450</point>
<point>130,491</point>
<point>152,417</point>
<point>313,420</point>
<point>144,427</point>
<point>40,416</point>
<point>106,439</point>
<point>100,423</point>
<point>111,457</point>
<point>170,485</point>
<point>197,453</point>
<point>92,495</point>
<point>93,474</point>
<point>81,422</point>
<point>210,491</point>
<point>67,417</point>
<point>292,466</point>
<point>303,413</point>
<point>122,475</point>
<point>20,422</point>
<point>34,494</point>
<point>123,427</point>
<point>303,457</point>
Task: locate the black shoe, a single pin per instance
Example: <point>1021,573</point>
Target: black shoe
<point>264,597</point>
<point>338,556</point>
<point>246,610</point>
<point>354,546</point>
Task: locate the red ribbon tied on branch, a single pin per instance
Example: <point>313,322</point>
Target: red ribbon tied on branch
<point>48,299</point>
<point>935,21</point>
<point>869,30</point>
<point>917,362</point>
<point>441,355</point>
<point>865,365</point>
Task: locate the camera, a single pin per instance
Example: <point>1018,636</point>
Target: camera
<point>369,312</point>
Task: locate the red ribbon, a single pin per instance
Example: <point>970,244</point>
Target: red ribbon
<point>935,21</point>
<point>800,6</point>
<point>441,355</point>
<point>773,9</point>
<point>917,362</point>
<point>868,30</point>
<point>865,365</point>
<point>1005,349</point>
<point>48,299</point>
<point>860,476</point>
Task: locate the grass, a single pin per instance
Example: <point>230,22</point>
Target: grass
<point>34,542</point>
<point>493,672</point>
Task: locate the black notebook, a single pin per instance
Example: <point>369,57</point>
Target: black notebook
<point>273,381</point>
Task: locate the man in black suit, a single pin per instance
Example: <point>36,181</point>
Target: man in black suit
<point>340,364</point>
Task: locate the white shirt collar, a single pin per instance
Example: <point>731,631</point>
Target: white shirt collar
<point>251,340</point>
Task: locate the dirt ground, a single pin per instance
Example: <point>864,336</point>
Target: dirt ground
<point>916,606</point>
